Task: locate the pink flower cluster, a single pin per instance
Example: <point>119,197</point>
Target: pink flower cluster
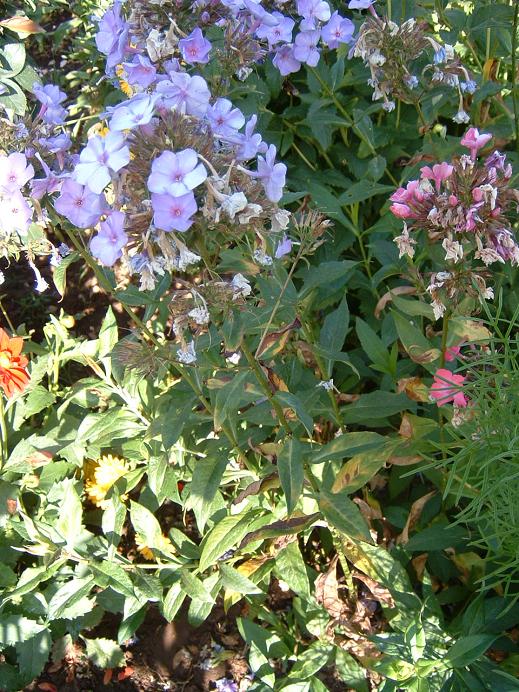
<point>463,205</point>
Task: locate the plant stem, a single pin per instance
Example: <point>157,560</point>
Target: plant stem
<point>278,301</point>
<point>515,97</point>
<point>265,386</point>
<point>3,434</point>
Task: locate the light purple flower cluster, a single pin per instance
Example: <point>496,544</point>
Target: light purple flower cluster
<point>15,212</point>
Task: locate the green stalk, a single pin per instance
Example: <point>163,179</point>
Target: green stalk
<point>265,386</point>
<point>3,433</point>
<point>515,97</point>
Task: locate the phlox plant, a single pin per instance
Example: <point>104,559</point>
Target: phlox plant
<point>282,201</point>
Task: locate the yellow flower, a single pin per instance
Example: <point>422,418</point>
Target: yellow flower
<point>163,544</point>
<point>123,84</point>
<point>100,475</point>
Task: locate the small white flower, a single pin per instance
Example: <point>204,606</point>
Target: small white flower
<point>199,314</point>
<point>489,293</point>
<point>438,309</point>
<point>376,59</point>
<point>453,250</point>
<point>262,258</point>
<point>2,278</point>
<point>186,258</point>
<point>405,243</point>
<point>327,385</point>
<point>187,354</point>
<point>234,358</point>
<point>251,211</point>
<point>232,204</point>
<point>388,106</point>
<point>241,286</point>
<point>461,117</point>
<point>280,220</point>
<point>488,256</point>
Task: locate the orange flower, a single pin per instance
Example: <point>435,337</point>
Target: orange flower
<point>13,374</point>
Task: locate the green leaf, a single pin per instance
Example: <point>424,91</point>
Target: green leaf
<point>108,335</point>
<point>291,568</point>
<point>14,55</point>
<point>361,468</point>
<point>105,653</point>
<point>147,526</point>
<point>15,101</point>
<point>349,671</point>
<point>340,511</point>
<point>291,471</point>
<point>68,595</point>
<point>110,574</point>
<point>68,524</point>
<point>334,331</point>
<point>325,273</point>
<point>233,580</point>
<point>33,654</point>
<point>195,588</point>
<point>288,400</point>
<point>229,398</point>
<point>173,601</point>
<point>226,534</point>
<point>468,649</point>
<point>17,628</point>
<point>59,275</point>
<point>365,189</point>
<point>202,491</point>
<point>372,345</point>
<point>347,445</point>
<point>311,660</point>
<point>374,406</point>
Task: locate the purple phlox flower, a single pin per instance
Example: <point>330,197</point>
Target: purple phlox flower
<point>468,87</point>
<point>360,4</point>
<point>313,11</point>
<point>260,14</point>
<point>140,71</point>
<point>195,48</point>
<point>172,65</point>
<point>14,172</point>
<point>15,213</point>
<point>59,143</point>
<point>285,61</point>
<point>271,174</point>
<point>284,247</point>
<point>176,174</point>
<point>136,111</point>
<point>79,204</point>
<point>100,157</point>
<point>224,119</point>
<point>226,685</point>
<point>249,143</point>
<point>279,33</point>
<point>305,47</point>
<point>439,172</point>
<point>496,160</point>
<point>108,243</point>
<point>47,185</point>
<point>338,30</point>
<point>173,213</point>
<point>112,36</point>
<point>50,97</point>
<point>184,93</point>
